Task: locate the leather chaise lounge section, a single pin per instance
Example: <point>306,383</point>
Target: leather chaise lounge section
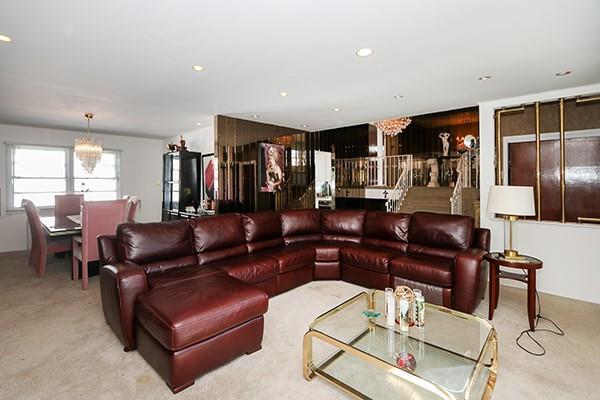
<point>190,295</point>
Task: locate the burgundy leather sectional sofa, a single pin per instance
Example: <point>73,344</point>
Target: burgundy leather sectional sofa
<point>190,295</point>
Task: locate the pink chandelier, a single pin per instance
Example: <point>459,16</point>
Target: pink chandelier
<point>392,127</point>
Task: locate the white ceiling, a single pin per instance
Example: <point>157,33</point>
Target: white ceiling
<point>130,62</point>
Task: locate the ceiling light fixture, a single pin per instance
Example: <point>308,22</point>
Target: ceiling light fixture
<point>198,68</point>
<point>364,52</point>
<point>4,38</point>
<point>255,116</point>
<point>88,149</point>
<point>198,123</point>
<point>484,78</point>
<point>562,73</point>
<point>398,97</point>
<point>283,94</point>
<point>392,127</point>
<point>304,126</point>
<point>337,109</point>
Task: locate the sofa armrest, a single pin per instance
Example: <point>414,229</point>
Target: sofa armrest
<point>107,249</point>
<point>469,279</point>
<point>481,239</point>
<point>120,285</point>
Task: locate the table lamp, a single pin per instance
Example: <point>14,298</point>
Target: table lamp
<point>511,202</point>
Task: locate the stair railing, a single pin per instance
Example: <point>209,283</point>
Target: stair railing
<point>404,182</point>
<point>363,172</point>
<point>307,199</point>
<point>456,198</point>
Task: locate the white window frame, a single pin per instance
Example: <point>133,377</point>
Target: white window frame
<point>69,173</point>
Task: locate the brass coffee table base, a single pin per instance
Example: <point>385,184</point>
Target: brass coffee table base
<point>310,370</point>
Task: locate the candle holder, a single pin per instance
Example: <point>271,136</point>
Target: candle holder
<point>409,295</point>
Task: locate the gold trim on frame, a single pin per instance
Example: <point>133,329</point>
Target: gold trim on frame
<point>538,162</point>
<point>562,159</point>
<point>498,116</point>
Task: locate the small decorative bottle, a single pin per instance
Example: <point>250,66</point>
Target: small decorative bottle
<point>403,311</point>
<point>390,307</point>
<point>417,293</point>
<point>420,317</point>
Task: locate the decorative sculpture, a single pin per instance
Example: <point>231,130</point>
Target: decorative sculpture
<point>433,165</point>
<point>445,142</point>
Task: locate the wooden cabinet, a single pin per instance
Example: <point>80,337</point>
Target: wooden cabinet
<point>182,183</point>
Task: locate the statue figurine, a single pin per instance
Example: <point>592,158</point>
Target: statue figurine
<point>433,165</point>
<point>445,142</point>
<point>182,143</point>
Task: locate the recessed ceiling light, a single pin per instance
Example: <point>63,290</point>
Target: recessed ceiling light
<point>198,68</point>
<point>255,116</point>
<point>337,109</point>
<point>364,52</point>
<point>4,38</point>
<point>484,78</point>
<point>283,94</point>
<point>397,97</point>
<point>198,123</point>
<point>562,73</point>
<point>304,126</point>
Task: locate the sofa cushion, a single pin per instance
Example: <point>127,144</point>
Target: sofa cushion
<point>177,275</point>
<point>300,225</point>
<point>426,269</point>
<point>384,229</point>
<point>375,259</point>
<point>263,230</point>
<point>327,250</point>
<point>345,225</point>
<point>154,242</point>
<point>290,258</point>
<point>189,312</point>
<point>441,230</point>
<point>218,237</point>
<point>250,268</point>
<point>166,265</point>
<point>432,251</point>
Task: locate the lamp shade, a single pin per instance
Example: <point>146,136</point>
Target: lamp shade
<point>511,200</point>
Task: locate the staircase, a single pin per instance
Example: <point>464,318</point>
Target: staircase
<point>421,198</point>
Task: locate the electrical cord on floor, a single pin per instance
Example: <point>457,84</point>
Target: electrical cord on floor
<point>528,332</point>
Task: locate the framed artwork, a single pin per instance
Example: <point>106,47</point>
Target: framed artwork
<point>271,168</point>
<point>208,179</point>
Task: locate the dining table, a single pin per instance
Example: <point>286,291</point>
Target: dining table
<point>63,225</point>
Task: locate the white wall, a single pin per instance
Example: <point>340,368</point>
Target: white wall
<point>141,169</point>
<point>201,140</point>
<point>569,251</point>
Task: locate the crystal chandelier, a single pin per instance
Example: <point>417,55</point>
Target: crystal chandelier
<point>88,149</point>
<point>283,140</point>
<point>392,127</point>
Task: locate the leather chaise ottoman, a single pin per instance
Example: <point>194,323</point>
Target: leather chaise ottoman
<point>185,330</point>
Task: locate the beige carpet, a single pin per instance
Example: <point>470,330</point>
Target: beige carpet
<point>54,344</point>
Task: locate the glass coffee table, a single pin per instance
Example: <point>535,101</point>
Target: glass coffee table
<point>456,354</point>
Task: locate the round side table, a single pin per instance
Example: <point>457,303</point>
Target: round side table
<point>529,264</point>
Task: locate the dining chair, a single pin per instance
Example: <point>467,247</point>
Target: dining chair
<point>67,204</point>
<point>41,243</point>
<point>133,204</point>
<point>98,218</point>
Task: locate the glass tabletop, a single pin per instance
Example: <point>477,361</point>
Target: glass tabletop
<point>61,225</point>
<point>450,351</point>
<point>521,259</point>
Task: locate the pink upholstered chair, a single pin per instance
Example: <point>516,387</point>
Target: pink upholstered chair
<point>98,218</point>
<point>67,204</point>
<point>41,244</point>
<point>133,203</point>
